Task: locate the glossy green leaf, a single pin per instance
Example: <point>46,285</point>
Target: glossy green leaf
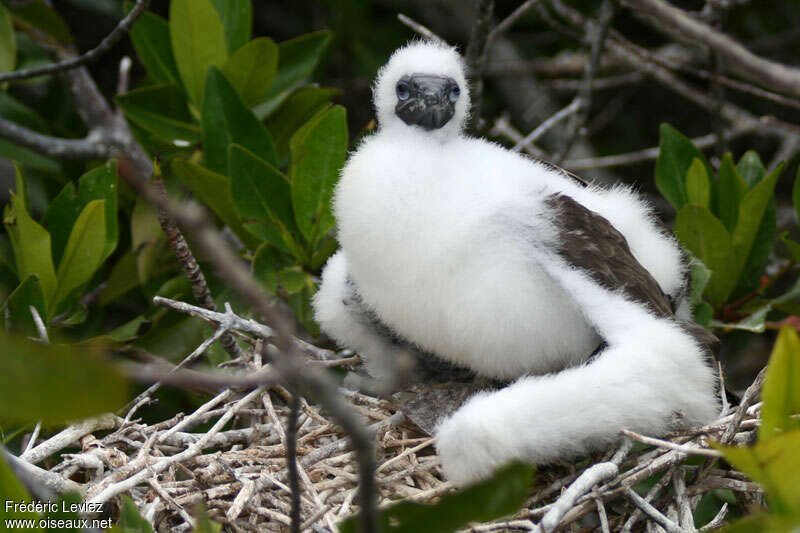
<point>298,57</point>
<point>84,252</point>
<point>227,121</point>
<point>274,269</point>
<point>295,111</point>
<point>502,495</point>
<point>751,213</point>
<point>130,521</point>
<point>162,111</point>
<point>151,40</point>
<point>39,16</point>
<point>12,490</point>
<point>215,191</point>
<point>781,392</point>
<point>8,42</point>
<point>237,19</point>
<point>732,189</point>
<point>751,168</point>
<point>675,156</point>
<point>262,194</point>
<point>775,465</point>
<point>198,42</point>
<point>17,307</point>
<point>56,383</point>
<point>755,322</point>
<point>698,184</point>
<point>318,150</point>
<point>708,240</point>
<point>31,243</point>
<point>124,277</point>
<point>252,68</point>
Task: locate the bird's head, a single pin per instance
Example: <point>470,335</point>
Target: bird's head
<point>423,86</point>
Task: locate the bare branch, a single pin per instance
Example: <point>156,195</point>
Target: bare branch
<point>92,147</point>
<point>475,57</point>
<point>737,58</point>
<point>653,513</point>
<point>105,45</point>
<point>509,21</point>
<point>545,126</point>
<point>419,28</point>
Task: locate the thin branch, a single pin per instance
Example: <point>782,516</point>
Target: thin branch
<point>509,21</point>
<point>419,28</point>
<point>547,125</point>
<point>92,147</point>
<point>584,96</point>
<point>291,461</point>
<point>653,513</point>
<point>691,450</point>
<point>475,57</point>
<point>105,45</point>
<point>737,58</point>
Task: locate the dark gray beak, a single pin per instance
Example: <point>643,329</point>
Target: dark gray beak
<point>426,101</point>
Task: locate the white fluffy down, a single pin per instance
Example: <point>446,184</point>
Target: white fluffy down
<point>450,244</point>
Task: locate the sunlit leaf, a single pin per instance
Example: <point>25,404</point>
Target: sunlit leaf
<point>319,150</point>
<point>198,42</point>
<point>84,252</point>
<point>251,69</point>
<point>237,19</point>
<point>781,393</point>
<point>698,184</point>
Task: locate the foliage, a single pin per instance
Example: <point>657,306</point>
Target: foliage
<point>774,462</point>
<point>727,221</point>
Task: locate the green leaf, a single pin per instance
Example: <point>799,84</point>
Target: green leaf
<point>794,247</point>
<point>698,184</point>
<point>300,304</point>
<point>502,495</point>
<point>151,40</point>
<point>38,16</point>
<point>59,218</point>
<point>261,193</point>
<point>275,269</point>
<point>56,383</point>
<point>31,243</point>
<point>754,322</point>
<point>198,42</point>
<point>319,150</point>
<point>751,213</point>
<point>226,121</point>
<point>675,156</point>
<point>295,111</point>
<point>732,189</point>
<point>252,68</point>
<point>8,42</point>
<point>781,393</point>
<point>124,277</point>
<point>761,521</point>
<point>699,276</point>
<point>15,111</point>
<point>751,168</point>
<point>796,194</point>
<point>204,523</point>
<point>63,512</point>
<point>84,252</point>
<point>775,465</point>
<point>763,244</point>
<point>215,191</point>
<point>237,19</point>
<point>162,111</point>
<point>708,240</point>
<point>149,243</point>
<point>298,57</point>
<point>19,317</point>
<point>130,521</point>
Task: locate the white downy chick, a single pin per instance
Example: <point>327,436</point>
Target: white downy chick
<point>490,260</point>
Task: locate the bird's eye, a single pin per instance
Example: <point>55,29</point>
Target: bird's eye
<point>403,91</point>
<point>455,92</point>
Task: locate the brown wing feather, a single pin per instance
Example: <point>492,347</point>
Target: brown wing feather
<point>590,243</point>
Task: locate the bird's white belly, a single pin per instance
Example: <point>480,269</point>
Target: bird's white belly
<point>495,312</point>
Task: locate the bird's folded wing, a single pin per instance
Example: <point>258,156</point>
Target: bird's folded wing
<point>589,242</point>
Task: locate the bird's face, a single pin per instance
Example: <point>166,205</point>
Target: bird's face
<point>423,90</point>
<point>426,100</point>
